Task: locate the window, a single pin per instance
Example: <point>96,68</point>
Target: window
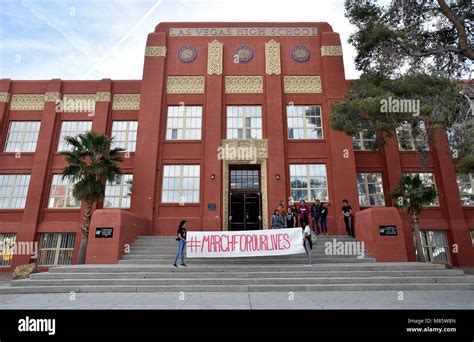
<point>61,194</point>
<point>125,134</point>
<point>56,249</point>
<point>410,139</point>
<point>119,192</point>
<point>244,122</point>
<point>22,136</point>
<point>72,128</point>
<point>184,123</point>
<point>366,138</point>
<point>245,179</point>
<point>370,189</point>
<point>304,122</point>
<point>435,246</point>
<point>466,186</point>
<point>308,182</point>
<point>13,191</point>
<point>7,245</point>
<point>428,179</point>
<point>472,237</point>
<point>180,184</point>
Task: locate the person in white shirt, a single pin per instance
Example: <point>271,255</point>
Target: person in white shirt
<point>308,244</point>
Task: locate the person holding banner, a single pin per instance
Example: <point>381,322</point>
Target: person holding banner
<point>308,244</point>
<point>182,243</point>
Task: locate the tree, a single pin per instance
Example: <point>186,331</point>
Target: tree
<point>412,194</point>
<point>412,51</point>
<point>91,163</point>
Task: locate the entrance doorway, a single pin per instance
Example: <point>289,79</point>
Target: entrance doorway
<point>245,202</point>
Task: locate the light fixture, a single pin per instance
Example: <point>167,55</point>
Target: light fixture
<point>277,176</point>
<point>213,176</point>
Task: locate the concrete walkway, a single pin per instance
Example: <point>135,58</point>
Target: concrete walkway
<point>245,301</point>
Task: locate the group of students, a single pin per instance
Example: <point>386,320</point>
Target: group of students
<point>289,219</point>
<point>299,216</point>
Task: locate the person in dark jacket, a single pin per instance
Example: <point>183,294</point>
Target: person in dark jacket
<point>303,212</point>
<point>290,219</point>
<point>347,212</point>
<point>323,213</point>
<point>181,243</point>
<point>315,216</point>
<point>278,220</point>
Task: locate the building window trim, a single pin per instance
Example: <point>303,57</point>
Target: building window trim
<point>10,181</point>
<point>413,142</point>
<point>22,132</point>
<point>62,145</point>
<point>367,194</point>
<point>247,114</point>
<point>181,177</point>
<point>56,181</point>
<point>129,145</point>
<point>460,184</point>
<point>121,187</point>
<point>56,245</point>
<point>187,114</point>
<point>307,175</point>
<point>306,127</point>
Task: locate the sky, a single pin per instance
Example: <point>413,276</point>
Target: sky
<point>95,39</point>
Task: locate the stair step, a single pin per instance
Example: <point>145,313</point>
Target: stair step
<point>242,288</point>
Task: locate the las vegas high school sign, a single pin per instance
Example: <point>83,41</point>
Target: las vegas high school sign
<point>244,243</point>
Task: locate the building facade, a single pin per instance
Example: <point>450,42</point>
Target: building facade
<point>228,120</point>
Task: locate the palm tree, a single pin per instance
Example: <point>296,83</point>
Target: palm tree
<point>412,194</point>
<point>91,163</point>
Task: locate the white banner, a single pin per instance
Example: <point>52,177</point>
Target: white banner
<point>244,243</point>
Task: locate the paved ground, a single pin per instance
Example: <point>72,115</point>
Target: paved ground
<point>297,300</point>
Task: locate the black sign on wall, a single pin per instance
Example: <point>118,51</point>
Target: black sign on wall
<point>211,206</point>
<point>104,232</point>
<point>388,230</point>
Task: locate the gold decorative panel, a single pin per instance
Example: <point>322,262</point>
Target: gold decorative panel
<point>155,51</point>
<point>79,102</point>
<point>103,96</point>
<point>272,58</point>
<point>51,96</point>
<point>185,85</point>
<point>330,50</point>
<point>261,147</point>
<point>244,84</point>
<point>214,57</point>
<point>4,97</point>
<point>126,102</point>
<point>302,84</point>
<point>27,102</point>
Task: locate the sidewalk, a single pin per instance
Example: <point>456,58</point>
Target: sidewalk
<point>245,301</point>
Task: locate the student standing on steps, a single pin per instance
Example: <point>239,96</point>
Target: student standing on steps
<point>181,243</point>
<point>324,218</point>
<point>347,212</point>
<point>308,245</point>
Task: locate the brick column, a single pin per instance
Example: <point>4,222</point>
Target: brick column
<point>5,97</point>
<point>341,152</point>
<point>212,123</point>
<point>151,101</point>
<point>39,171</point>
<point>451,202</point>
<point>101,120</point>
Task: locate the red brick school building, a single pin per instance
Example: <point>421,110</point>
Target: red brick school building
<point>228,120</point>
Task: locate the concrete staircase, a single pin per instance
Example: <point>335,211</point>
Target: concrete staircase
<point>147,268</point>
